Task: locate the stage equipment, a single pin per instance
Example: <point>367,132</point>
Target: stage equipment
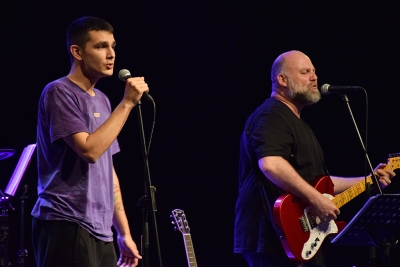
<point>376,224</point>
<point>5,205</point>
<point>6,153</point>
<point>148,201</point>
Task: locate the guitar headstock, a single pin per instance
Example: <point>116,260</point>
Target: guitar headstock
<point>394,160</point>
<point>180,222</point>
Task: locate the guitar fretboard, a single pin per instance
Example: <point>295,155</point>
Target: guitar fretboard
<point>343,198</point>
<point>340,199</point>
<point>189,250</point>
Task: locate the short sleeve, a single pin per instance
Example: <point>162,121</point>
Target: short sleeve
<point>63,112</point>
<point>271,136</point>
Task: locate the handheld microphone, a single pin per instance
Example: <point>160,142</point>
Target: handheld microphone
<point>125,74</point>
<point>327,89</point>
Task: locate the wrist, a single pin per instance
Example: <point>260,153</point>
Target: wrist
<point>126,104</point>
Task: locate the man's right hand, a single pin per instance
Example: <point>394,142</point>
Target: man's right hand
<point>323,208</point>
<point>134,89</point>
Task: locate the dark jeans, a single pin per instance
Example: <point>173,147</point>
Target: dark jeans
<point>259,259</point>
<point>66,244</point>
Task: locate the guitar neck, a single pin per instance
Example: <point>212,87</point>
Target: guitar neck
<point>189,250</point>
<point>340,199</point>
<point>343,198</point>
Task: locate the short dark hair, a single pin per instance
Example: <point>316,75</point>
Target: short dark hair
<point>78,31</point>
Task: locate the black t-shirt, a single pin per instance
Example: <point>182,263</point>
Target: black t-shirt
<point>271,130</point>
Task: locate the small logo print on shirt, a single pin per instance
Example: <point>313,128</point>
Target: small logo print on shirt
<point>97,115</point>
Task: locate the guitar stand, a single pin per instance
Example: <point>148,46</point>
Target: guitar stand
<point>376,224</point>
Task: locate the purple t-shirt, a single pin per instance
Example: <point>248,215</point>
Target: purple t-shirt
<point>68,187</point>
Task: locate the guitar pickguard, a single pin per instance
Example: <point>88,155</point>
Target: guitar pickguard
<point>318,232</point>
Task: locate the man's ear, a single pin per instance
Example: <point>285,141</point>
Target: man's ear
<point>76,52</point>
<point>282,80</point>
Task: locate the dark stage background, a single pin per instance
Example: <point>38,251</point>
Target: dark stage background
<point>207,64</point>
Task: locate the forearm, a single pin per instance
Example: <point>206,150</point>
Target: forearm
<point>383,171</point>
<point>91,146</point>
<point>343,183</point>
<point>281,173</point>
<point>120,220</point>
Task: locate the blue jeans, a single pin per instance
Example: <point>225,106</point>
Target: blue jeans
<point>259,259</point>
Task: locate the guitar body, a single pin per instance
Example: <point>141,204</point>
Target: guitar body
<point>303,234</point>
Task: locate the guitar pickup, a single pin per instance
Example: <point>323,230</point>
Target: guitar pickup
<point>311,219</point>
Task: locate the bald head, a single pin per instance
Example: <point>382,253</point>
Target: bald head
<point>294,79</point>
<point>284,62</point>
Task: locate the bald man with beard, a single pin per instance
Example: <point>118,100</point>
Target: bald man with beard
<point>279,151</point>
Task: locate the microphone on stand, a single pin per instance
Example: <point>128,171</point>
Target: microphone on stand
<point>125,74</point>
<point>328,89</point>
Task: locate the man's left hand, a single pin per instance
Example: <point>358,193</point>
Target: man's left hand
<point>385,174</point>
<point>128,253</point>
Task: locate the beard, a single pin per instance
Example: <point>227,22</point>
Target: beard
<point>303,94</point>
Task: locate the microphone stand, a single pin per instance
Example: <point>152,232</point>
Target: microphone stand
<point>344,97</point>
<point>148,201</point>
<point>368,191</point>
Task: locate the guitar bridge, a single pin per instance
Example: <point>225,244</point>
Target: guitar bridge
<point>307,221</point>
<point>304,224</point>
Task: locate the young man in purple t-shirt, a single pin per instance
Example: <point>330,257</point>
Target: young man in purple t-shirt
<point>79,192</point>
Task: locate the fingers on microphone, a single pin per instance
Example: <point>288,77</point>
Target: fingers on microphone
<point>139,83</point>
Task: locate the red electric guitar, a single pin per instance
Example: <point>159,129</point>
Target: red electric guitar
<point>303,232</point>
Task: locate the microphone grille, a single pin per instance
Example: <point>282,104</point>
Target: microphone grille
<point>324,89</point>
<point>123,74</point>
